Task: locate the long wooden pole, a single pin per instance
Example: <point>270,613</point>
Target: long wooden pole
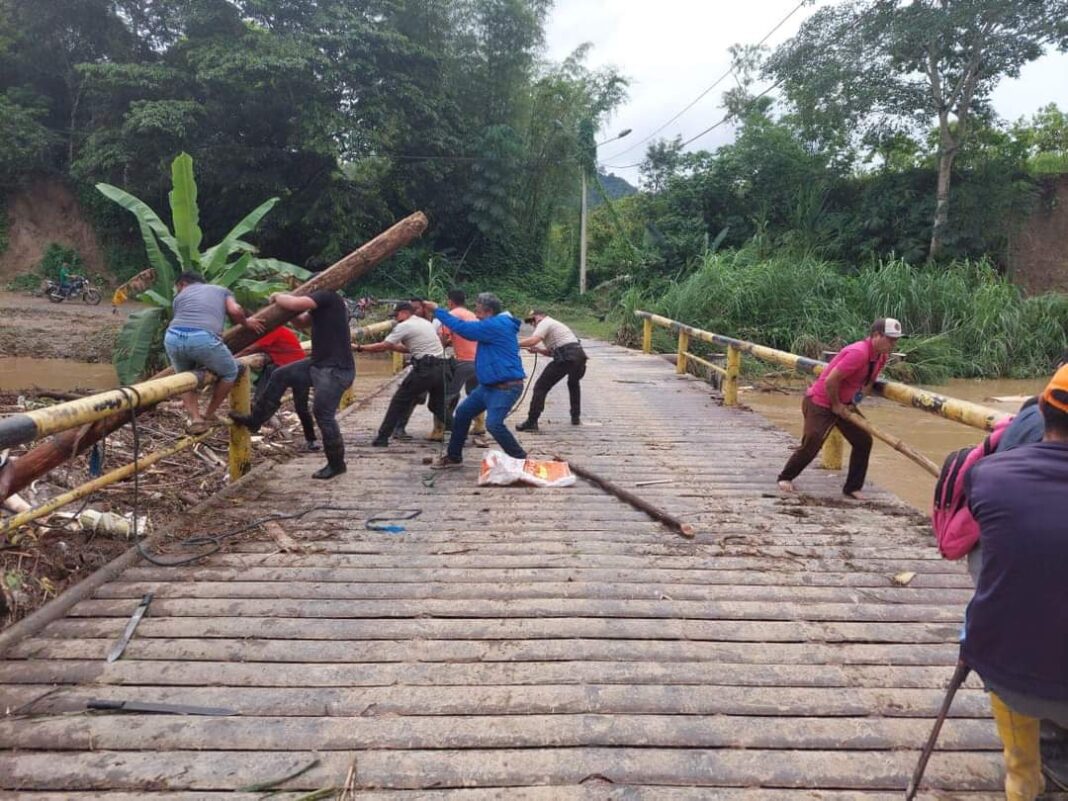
<point>681,528</point>
<point>897,444</point>
<point>18,473</point>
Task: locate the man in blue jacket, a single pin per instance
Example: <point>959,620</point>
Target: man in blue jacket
<point>1016,635</point>
<point>499,371</point>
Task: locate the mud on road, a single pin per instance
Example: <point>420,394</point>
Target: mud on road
<point>38,328</point>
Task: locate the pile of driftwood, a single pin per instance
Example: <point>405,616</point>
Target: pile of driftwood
<point>58,550</point>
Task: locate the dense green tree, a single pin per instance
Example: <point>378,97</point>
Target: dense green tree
<point>878,65</point>
<point>351,112</point>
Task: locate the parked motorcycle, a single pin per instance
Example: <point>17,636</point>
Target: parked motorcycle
<point>76,285</point>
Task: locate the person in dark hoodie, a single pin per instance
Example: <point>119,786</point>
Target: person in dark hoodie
<point>1016,634</point>
<point>500,374</point>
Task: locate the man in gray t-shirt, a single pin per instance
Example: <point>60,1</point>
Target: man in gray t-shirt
<point>194,341</point>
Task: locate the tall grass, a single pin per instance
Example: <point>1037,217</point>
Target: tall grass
<point>963,320</point>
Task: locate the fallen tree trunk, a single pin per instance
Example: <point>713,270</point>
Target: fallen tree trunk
<point>18,473</point>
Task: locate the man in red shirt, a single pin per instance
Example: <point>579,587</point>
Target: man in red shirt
<point>282,347</point>
<point>848,377</point>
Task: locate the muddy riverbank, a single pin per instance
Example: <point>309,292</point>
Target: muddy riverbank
<point>38,328</point>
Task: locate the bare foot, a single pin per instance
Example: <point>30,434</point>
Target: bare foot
<point>786,486</point>
<point>856,496</point>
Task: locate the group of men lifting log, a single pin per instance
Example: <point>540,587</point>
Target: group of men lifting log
<point>485,364</point>
<point>1016,631</point>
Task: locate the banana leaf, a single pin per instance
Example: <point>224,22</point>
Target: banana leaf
<point>222,251</point>
<point>145,216</point>
<point>235,271</point>
<point>155,298</point>
<point>251,294</point>
<point>184,211</point>
<point>273,267</point>
<point>135,342</point>
<point>238,245</point>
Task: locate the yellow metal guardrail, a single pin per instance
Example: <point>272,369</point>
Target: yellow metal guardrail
<point>955,409</point>
<point>21,428</point>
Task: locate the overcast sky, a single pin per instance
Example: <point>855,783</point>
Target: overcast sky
<point>671,50</point>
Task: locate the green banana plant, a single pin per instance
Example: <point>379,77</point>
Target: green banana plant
<point>231,263</point>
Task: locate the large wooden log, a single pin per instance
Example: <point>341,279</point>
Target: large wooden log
<point>20,472</point>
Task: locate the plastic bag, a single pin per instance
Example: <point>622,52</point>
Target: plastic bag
<point>501,469</point>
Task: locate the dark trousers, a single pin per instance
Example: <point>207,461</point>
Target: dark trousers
<point>329,384</point>
<point>301,396</point>
<point>818,424</point>
<point>463,380</point>
<point>429,375</point>
<point>570,362</point>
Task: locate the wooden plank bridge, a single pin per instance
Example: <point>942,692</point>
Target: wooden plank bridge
<point>520,643</point>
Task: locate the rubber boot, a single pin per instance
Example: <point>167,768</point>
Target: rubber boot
<point>479,426</point>
<point>249,421</point>
<point>1023,762</point>
<point>335,461</point>
<point>438,434</point>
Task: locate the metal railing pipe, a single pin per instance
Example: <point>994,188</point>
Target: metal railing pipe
<point>23,427</point>
<point>955,409</point>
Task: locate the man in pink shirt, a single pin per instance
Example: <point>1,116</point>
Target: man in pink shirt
<point>827,402</point>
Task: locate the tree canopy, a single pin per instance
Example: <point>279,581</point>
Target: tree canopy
<point>881,68</point>
<point>352,112</point>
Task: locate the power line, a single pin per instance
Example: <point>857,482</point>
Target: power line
<point>714,84</point>
<point>723,121</point>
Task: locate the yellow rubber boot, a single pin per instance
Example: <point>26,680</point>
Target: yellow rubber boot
<point>479,428</point>
<point>438,434</point>
<point>1023,760</point>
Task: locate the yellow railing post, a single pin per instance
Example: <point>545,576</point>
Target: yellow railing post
<point>398,362</point>
<point>348,397</point>
<point>240,438</point>
<point>734,368</point>
<point>684,347</point>
<point>647,335</point>
<point>831,453</point>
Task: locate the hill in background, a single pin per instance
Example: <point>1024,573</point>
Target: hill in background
<point>614,186</point>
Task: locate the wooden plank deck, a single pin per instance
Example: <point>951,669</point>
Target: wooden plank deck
<point>524,644</point>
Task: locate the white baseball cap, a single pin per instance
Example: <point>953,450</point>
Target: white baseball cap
<point>890,328</point>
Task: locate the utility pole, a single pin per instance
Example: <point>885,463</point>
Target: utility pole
<point>585,211</point>
<point>582,238</point>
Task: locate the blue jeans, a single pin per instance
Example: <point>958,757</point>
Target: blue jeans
<point>194,348</point>
<point>496,403</point>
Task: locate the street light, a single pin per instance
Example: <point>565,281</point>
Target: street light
<point>582,225</point>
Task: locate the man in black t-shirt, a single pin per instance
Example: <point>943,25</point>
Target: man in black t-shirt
<point>329,370</point>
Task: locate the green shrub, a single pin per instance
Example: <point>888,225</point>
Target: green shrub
<point>964,320</point>
<point>54,257</point>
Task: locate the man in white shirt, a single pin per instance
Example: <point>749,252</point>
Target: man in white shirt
<point>553,338</point>
<point>429,373</point>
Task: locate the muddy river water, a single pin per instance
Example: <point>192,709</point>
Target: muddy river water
<point>18,373</point>
<point>930,434</point>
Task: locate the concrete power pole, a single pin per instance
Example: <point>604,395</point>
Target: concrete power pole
<point>582,239</point>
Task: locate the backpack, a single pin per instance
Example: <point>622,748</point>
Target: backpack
<point>955,529</point>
